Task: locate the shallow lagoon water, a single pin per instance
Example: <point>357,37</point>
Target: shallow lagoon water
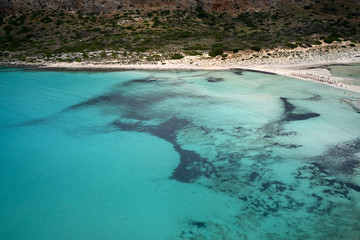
<point>351,72</point>
<point>194,155</point>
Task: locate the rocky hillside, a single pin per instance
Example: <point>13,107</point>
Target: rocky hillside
<point>156,30</point>
<point>108,6</point>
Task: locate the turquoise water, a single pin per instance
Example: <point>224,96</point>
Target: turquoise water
<point>193,155</point>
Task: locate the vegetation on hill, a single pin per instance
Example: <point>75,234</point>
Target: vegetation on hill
<point>174,33</point>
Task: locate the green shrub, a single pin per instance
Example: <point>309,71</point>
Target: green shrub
<point>103,54</point>
<point>141,49</point>
<point>24,30</point>
<point>165,12</point>
<point>193,53</point>
<point>328,40</point>
<point>332,38</point>
<point>255,48</point>
<point>216,51</point>
<point>197,47</point>
<point>185,34</point>
<point>176,56</point>
<point>46,19</point>
<point>8,29</point>
<point>153,58</point>
<point>59,22</point>
<point>156,22</point>
<point>201,13</point>
<point>291,45</point>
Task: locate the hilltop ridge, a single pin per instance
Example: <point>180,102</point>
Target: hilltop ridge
<point>155,31</point>
<point>108,6</point>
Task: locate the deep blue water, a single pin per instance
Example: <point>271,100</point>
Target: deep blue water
<point>194,155</point>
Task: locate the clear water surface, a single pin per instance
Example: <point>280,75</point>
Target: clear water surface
<point>193,155</point>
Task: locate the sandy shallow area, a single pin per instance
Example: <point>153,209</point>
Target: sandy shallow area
<point>302,63</point>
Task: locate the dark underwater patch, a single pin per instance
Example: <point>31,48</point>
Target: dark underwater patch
<point>353,186</point>
<point>357,110</point>
<point>289,108</point>
<point>290,116</point>
<point>198,224</point>
<point>133,107</point>
<point>107,99</point>
<point>341,158</point>
<point>240,71</point>
<point>351,104</point>
<point>319,167</point>
<point>191,165</point>
<point>143,81</point>
<point>289,146</point>
<point>34,122</point>
<point>277,186</point>
<point>348,166</point>
<point>213,79</point>
<point>123,103</point>
<point>319,176</point>
<point>130,127</point>
<point>300,117</point>
<point>14,69</point>
<point>258,71</point>
<point>138,81</point>
<point>253,176</point>
<point>168,129</point>
<point>314,98</point>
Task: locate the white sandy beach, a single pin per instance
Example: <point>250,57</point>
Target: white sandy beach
<point>297,63</point>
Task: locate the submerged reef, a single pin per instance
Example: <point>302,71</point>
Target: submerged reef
<point>192,165</point>
<point>289,114</point>
<point>243,163</point>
